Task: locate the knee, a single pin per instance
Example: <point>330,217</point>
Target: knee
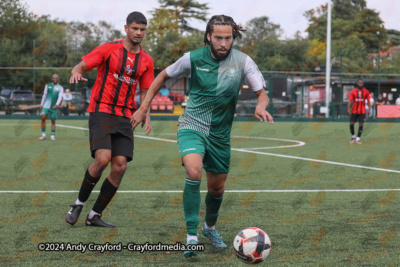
<point>194,173</point>
<point>216,191</point>
<point>102,163</point>
<point>119,168</point>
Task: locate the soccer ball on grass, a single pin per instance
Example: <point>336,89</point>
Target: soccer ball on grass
<point>252,245</point>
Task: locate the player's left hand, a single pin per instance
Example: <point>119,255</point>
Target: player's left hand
<point>139,117</point>
<point>56,106</point>
<point>262,115</point>
<point>148,125</point>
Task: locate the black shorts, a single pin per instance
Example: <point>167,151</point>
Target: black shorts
<point>354,117</point>
<point>107,131</point>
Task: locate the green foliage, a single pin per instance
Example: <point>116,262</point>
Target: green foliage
<point>28,40</point>
<point>169,35</point>
<point>369,27</point>
<point>347,9</point>
<point>184,10</point>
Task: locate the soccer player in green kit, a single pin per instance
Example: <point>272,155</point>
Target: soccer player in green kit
<point>215,74</point>
<point>52,97</point>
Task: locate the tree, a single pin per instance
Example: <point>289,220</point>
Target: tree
<point>183,10</point>
<point>260,39</point>
<point>347,9</point>
<point>165,40</point>
<point>369,28</point>
<point>393,37</point>
<point>349,17</point>
<point>16,22</point>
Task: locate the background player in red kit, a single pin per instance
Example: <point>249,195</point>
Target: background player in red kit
<point>121,65</point>
<point>356,109</point>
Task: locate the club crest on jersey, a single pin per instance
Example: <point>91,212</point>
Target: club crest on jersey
<point>232,72</point>
<point>128,70</point>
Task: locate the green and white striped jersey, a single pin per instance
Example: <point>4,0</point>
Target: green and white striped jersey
<point>52,95</point>
<point>213,89</point>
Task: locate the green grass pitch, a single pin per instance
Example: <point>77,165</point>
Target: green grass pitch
<point>313,213</point>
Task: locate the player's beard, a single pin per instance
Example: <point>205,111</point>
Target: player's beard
<point>136,42</point>
<point>359,87</point>
<point>215,52</point>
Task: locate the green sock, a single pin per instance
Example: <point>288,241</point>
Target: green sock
<point>53,132</point>
<point>44,130</point>
<point>212,207</point>
<point>191,205</point>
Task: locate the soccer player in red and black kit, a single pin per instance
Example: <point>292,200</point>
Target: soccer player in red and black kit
<point>356,109</point>
<point>121,65</point>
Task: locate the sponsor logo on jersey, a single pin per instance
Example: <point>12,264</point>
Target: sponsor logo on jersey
<point>122,78</point>
<point>200,69</point>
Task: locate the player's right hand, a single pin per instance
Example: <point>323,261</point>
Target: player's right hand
<point>76,78</point>
<point>138,117</point>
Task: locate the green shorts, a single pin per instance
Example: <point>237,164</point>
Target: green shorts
<point>53,112</point>
<point>216,154</point>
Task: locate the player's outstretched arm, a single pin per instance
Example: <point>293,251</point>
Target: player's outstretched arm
<point>77,71</point>
<point>262,103</point>
<point>140,115</point>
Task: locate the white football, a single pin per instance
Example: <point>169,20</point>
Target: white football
<point>252,245</point>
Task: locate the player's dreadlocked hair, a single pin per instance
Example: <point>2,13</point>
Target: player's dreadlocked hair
<point>222,20</point>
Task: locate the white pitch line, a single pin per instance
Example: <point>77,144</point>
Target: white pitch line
<point>316,160</point>
<point>226,191</point>
<point>268,154</point>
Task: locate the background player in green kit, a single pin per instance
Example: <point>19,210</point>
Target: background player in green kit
<point>215,74</point>
<point>52,97</point>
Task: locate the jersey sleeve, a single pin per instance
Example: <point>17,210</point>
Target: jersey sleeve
<point>44,95</point>
<point>148,76</point>
<point>253,76</point>
<point>180,68</point>
<point>60,96</point>
<point>368,96</point>
<point>95,57</point>
<point>351,96</point>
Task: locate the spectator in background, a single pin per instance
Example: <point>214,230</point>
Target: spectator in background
<point>398,100</point>
<point>385,99</point>
<point>164,91</point>
<point>380,101</point>
<point>66,101</point>
<point>372,107</point>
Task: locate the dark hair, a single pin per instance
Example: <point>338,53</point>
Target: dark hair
<point>137,17</point>
<point>222,20</point>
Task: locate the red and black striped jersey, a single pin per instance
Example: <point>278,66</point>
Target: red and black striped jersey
<point>118,74</point>
<point>358,97</point>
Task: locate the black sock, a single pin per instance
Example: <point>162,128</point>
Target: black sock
<point>107,192</point>
<point>352,129</point>
<point>360,130</point>
<point>87,186</point>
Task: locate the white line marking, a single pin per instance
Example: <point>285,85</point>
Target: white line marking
<point>72,127</point>
<point>316,160</point>
<point>269,154</point>
<point>226,191</point>
<point>261,153</point>
<point>299,143</point>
